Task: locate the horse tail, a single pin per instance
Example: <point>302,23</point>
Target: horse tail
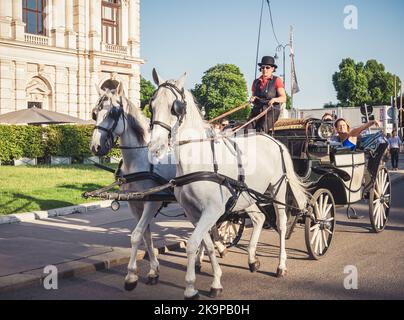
<point>299,189</point>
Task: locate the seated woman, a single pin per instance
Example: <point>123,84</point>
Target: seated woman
<point>348,137</point>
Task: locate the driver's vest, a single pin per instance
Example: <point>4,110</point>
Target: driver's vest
<point>268,93</point>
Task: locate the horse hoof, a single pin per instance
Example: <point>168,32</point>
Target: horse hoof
<point>223,253</point>
<point>254,267</point>
<point>130,286</point>
<point>151,281</point>
<point>198,268</point>
<point>195,297</point>
<point>214,293</point>
<point>280,273</point>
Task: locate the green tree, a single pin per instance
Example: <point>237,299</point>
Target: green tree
<point>330,105</point>
<point>359,83</point>
<point>351,84</point>
<point>223,88</point>
<point>146,93</point>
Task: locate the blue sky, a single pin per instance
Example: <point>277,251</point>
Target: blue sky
<point>191,36</point>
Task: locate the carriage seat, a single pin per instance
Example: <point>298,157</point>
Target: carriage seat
<point>291,124</point>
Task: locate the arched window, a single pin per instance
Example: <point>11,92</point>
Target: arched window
<point>33,13</point>
<point>110,21</point>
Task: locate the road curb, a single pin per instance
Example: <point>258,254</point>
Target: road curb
<point>106,261</point>
<point>39,215</point>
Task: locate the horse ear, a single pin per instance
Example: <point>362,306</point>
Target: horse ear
<point>157,79</point>
<point>99,90</point>
<point>120,90</point>
<point>181,81</point>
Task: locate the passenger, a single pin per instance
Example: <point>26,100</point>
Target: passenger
<point>225,124</point>
<point>348,137</point>
<point>328,117</point>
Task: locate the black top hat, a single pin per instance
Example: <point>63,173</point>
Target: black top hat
<point>268,61</point>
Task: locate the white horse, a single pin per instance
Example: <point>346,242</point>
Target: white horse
<point>116,117</point>
<point>176,120</point>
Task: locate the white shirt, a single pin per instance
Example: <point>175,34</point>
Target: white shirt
<point>395,142</point>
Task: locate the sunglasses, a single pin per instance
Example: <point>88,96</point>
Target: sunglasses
<point>265,67</point>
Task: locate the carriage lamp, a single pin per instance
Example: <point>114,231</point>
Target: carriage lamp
<point>326,131</point>
<point>115,206</point>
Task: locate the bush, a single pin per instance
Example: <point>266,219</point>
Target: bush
<point>30,140</point>
<point>9,149</point>
<point>69,141</point>
<point>37,142</point>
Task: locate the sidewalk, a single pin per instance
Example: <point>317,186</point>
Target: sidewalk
<point>396,176</point>
<point>87,242</point>
<point>79,243</point>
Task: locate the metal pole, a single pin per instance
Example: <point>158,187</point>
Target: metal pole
<point>401,107</point>
<point>284,67</point>
<point>259,38</point>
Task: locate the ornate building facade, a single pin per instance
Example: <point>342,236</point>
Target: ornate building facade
<point>53,53</point>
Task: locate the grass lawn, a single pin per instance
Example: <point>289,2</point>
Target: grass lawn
<point>25,189</point>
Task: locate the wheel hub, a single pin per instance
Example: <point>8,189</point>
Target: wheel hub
<point>325,225</point>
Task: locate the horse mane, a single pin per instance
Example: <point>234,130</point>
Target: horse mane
<point>199,116</point>
<point>137,121</point>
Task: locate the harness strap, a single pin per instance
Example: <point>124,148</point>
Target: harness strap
<point>215,165</point>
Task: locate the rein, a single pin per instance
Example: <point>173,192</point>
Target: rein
<point>232,133</point>
<point>167,127</point>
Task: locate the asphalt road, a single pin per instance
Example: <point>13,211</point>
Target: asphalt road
<point>378,259</point>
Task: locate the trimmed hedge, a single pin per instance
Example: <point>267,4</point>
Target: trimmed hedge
<point>41,142</point>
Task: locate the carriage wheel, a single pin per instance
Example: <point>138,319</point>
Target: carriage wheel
<point>319,233</point>
<point>380,201</point>
<point>230,232</point>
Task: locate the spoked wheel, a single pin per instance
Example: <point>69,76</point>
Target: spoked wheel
<point>319,232</point>
<point>380,201</point>
<point>230,232</point>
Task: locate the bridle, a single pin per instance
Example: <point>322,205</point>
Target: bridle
<point>115,112</point>
<point>178,108</point>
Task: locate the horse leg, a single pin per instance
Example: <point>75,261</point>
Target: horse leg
<point>282,226</point>
<point>149,209</point>
<point>218,243</point>
<point>216,287</point>
<point>199,258</point>
<point>154,273</point>
<point>205,223</point>
<point>257,219</point>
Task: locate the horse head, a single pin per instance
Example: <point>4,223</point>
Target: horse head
<point>168,107</point>
<point>110,120</point>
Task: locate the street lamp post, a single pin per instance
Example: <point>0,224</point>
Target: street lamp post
<point>279,49</point>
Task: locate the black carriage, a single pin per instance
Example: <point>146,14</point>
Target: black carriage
<point>335,176</point>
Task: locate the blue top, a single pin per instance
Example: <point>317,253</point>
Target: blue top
<point>349,144</point>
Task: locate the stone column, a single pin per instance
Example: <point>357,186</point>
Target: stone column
<point>94,79</point>
<point>134,88</point>
<point>20,85</point>
<point>6,16</point>
<point>95,25</point>
<point>58,25</point>
<point>17,26</point>
<point>124,23</point>
<point>61,90</point>
<point>5,86</point>
<point>72,92</point>
<point>134,28</point>
<point>70,35</point>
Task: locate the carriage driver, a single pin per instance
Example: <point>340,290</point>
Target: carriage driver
<point>267,92</point>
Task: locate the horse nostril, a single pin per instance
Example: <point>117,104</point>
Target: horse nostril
<point>98,148</point>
